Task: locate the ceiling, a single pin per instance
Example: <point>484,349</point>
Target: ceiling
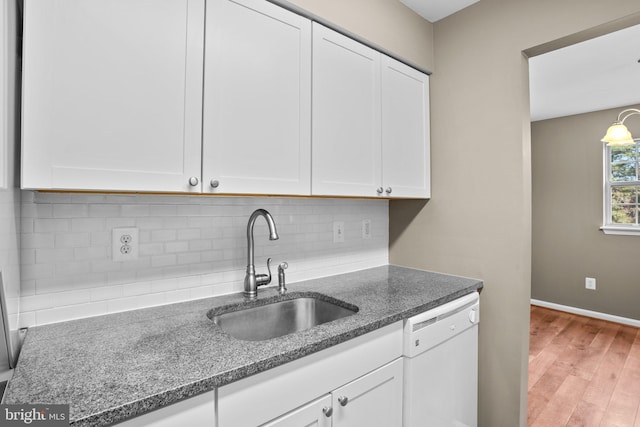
<point>594,75</point>
<point>434,10</point>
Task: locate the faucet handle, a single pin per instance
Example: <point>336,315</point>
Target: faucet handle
<point>264,279</point>
<point>282,289</point>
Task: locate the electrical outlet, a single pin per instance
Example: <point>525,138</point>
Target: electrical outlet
<point>338,231</point>
<point>124,244</point>
<point>366,228</point>
<point>590,283</point>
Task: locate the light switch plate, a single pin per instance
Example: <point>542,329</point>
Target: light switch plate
<point>338,231</point>
<point>366,228</point>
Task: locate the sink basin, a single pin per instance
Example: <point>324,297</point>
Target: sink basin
<point>280,318</point>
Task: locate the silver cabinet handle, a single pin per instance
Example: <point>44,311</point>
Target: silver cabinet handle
<point>193,181</point>
<point>388,190</point>
<point>379,190</point>
<point>215,183</point>
<point>327,411</point>
<point>343,400</point>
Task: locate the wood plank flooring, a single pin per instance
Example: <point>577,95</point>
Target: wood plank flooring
<point>583,372</point>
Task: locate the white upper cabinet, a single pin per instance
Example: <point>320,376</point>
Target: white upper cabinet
<point>240,97</point>
<point>370,122</point>
<point>405,131</point>
<point>346,153</point>
<point>112,94</point>
<point>257,99</point>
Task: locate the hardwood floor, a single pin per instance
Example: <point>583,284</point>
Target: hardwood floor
<point>583,372</point>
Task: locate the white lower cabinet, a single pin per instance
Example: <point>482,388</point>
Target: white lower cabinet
<point>366,370</point>
<point>374,400</point>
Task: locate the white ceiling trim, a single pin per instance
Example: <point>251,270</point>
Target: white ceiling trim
<point>594,75</point>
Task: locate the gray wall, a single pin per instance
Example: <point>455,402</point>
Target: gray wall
<point>567,244</point>
<point>478,222</point>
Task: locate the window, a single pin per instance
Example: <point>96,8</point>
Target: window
<point>622,189</point>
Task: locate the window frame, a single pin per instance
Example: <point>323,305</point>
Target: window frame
<point>608,227</point>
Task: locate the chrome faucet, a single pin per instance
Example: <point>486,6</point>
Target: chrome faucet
<point>251,279</point>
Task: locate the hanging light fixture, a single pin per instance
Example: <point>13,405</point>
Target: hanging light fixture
<point>618,134</point>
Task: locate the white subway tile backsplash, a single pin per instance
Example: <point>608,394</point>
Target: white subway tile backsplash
<point>92,252</point>
<point>164,235</point>
<point>135,210</point>
<point>72,240</point>
<point>48,225</point>
<point>201,292</point>
<point>70,211</point>
<point>140,288</point>
<point>146,249</point>
<point>75,297</point>
<point>132,303</point>
<point>176,247</point>
<point>189,247</point>
<point>36,302</point>
<point>163,260</point>
<point>106,293</point>
<point>60,314</point>
<point>178,296</point>
<point>87,224</point>
<point>104,210</point>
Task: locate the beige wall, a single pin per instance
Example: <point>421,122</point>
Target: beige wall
<point>386,24</point>
<point>567,213</point>
<point>478,222</point>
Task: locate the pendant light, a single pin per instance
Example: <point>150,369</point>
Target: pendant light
<point>618,134</point>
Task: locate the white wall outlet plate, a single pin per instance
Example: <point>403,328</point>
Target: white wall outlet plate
<point>366,228</point>
<point>590,283</point>
<point>338,231</point>
<point>124,244</point>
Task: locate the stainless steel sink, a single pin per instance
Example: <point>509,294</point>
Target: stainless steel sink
<point>280,318</point>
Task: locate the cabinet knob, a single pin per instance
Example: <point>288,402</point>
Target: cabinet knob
<point>343,400</point>
<point>388,190</point>
<point>379,190</point>
<point>193,181</point>
<point>215,183</point>
<point>327,411</point>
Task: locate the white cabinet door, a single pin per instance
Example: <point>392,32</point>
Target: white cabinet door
<point>346,152</point>
<point>405,130</point>
<point>257,99</point>
<point>374,400</point>
<point>112,94</point>
<point>314,414</point>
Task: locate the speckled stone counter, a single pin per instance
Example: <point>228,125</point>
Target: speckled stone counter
<point>110,368</point>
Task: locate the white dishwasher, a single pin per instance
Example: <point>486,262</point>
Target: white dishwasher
<point>441,365</point>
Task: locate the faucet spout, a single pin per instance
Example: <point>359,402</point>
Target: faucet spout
<point>251,280</point>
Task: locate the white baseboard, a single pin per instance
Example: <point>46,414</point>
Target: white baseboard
<point>588,313</point>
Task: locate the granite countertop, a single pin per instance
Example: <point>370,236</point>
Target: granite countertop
<point>110,368</point>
